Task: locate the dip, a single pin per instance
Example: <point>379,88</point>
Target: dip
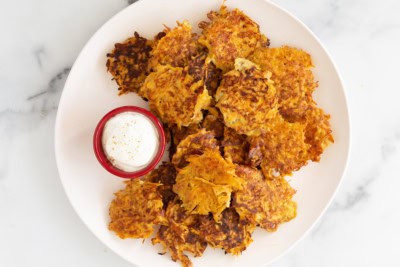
<point>130,141</point>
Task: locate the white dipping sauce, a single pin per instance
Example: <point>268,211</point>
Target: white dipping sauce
<point>130,141</point>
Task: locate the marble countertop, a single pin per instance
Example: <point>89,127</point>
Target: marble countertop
<point>41,40</point>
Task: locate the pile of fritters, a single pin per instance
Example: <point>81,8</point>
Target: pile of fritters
<point>239,117</point>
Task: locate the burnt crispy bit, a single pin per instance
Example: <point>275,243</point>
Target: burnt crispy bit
<point>231,234</point>
<point>201,69</point>
<point>179,236</point>
<point>214,122</point>
<point>176,47</point>
<point>318,132</point>
<point>207,190</point>
<point>264,202</point>
<point>178,134</point>
<point>136,210</point>
<point>128,63</point>
<point>212,78</point>
<point>175,96</point>
<point>280,149</point>
<point>230,35</point>
<point>235,146</point>
<point>194,144</point>
<point>293,79</point>
<point>196,66</point>
<point>246,98</point>
<point>165,174</point>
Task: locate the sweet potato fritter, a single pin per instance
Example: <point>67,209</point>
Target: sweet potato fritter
<point>179,236</point>
<point>207,190</point>
<point>246,98</point>
<point>177,47</point>
<point>280,150</point>
<point>136,209</point>
<point>292,76</point>
<point>174,96</point>
<point>235,146</point>
<point>194,144</point>
<point>231,234</point>
<point>264,202</point>
<point>230,35</point>
<point>128,63</point>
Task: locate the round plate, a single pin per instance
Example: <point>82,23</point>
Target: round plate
<point>90,93</point>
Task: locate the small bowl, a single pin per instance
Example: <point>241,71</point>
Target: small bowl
<point>101,156</point>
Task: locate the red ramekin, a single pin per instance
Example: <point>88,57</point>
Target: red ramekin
<point>101,156</point>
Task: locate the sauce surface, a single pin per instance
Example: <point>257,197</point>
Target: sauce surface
<point>130,141</point>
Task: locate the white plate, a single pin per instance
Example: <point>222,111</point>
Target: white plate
<point>89,93</point>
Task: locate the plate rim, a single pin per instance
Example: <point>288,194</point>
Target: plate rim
<point>347,112</point>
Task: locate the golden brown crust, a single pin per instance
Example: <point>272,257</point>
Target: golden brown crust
<point>176,47</point>
<point>179,236</point>
<point>128,63</point>
<point>293,79</point>
<point>230,35</point>
<point>194,144</point>
<point>264,202</point>
<point>231,234</point>
<point>207,190</point>
<point>236,147</point>
<point>280,150</point>
<point>175,96</point>
<point>136,209</point>
<point>178,134</point>
<point>246,98</point>
<point>318,132</point>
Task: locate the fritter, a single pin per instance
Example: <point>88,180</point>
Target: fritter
<point>280,149</point>
<point>136,210</point>
<point>179,236</point>
<point>194,144</point>
<point>165,175</point>
<point>176,47</point>
<point>318,132</point>
<point>128,63</point>
<point>246,98</point>
<point>206,183</point>
<point>235,146</point>
<point>264,202</point>
<point>292,76</point>
<point>230,35</point>
<point>231,234</point>
<point>174,96</point>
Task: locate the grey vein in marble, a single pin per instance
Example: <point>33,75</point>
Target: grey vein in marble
<point>14,122</point>
<point>38,54</point>
<point>359,194</point>
<point>53,85</point>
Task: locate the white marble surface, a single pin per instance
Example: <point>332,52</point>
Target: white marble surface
<point>42,38</point>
